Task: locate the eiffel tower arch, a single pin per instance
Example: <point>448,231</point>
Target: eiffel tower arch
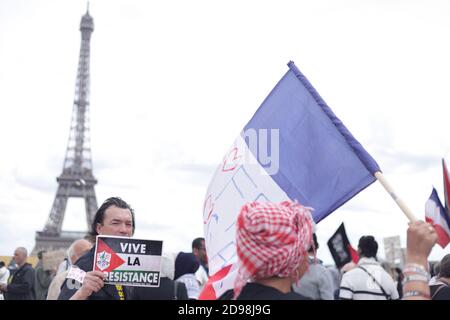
<point>77,179</point>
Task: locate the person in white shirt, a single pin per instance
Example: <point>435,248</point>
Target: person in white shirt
<point>368,280</point>
<point>4,276</point>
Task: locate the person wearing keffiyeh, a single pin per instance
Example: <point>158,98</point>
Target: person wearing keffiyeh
<point>272,242</point>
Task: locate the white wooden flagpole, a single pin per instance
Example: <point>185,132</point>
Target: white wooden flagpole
<point>380,177</point>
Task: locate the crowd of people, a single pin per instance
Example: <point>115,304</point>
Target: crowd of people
<point>276,248</point>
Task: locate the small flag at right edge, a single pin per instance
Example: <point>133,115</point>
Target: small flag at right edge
<point>446,187</point>
<point>435,214</point>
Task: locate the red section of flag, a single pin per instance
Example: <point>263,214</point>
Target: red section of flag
<point>208,292</point>
<point>353,253</point>
<point>446,187</point>
<point>114,261</point>
<point>443,237</point>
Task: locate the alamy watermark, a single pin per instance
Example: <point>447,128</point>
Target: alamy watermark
<point>264,144</point>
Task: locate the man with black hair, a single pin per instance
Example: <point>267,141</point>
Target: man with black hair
<point>317,283</point>
<point>199,251</point>
<point>115,217</point>
<point>368,280</point>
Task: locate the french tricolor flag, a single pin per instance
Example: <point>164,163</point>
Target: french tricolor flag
<point>293,148</point>
<point>435,214</point>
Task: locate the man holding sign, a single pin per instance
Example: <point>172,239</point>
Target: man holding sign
<point>114,218</point>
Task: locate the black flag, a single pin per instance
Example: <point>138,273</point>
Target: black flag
<point>341,249</point>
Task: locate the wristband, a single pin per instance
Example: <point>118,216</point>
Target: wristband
<point>415,277</point>
<point>415,294</point>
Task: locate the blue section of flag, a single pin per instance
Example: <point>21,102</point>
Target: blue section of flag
<point>435,198</point>
<point>320,163</point>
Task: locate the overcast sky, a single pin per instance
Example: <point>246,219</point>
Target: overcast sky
<point>174,82</point>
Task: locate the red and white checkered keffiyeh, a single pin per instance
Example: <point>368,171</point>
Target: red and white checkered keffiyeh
<point>272,240</point>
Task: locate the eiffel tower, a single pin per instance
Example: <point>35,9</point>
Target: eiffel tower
<point>76,179</point>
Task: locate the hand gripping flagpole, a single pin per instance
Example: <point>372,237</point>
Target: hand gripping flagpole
<point>380,177</point>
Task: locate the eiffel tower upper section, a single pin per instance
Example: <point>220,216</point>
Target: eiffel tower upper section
<point>78,160</point>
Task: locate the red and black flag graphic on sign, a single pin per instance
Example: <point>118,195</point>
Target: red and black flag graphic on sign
<point>106,259</point>
<point>341,249</point>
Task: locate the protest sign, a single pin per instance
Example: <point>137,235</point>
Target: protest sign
<point>52,259</point>
<point>128,261</point>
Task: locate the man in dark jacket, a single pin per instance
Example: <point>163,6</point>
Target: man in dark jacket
<point>21,285</point>
<point>114,218</point>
